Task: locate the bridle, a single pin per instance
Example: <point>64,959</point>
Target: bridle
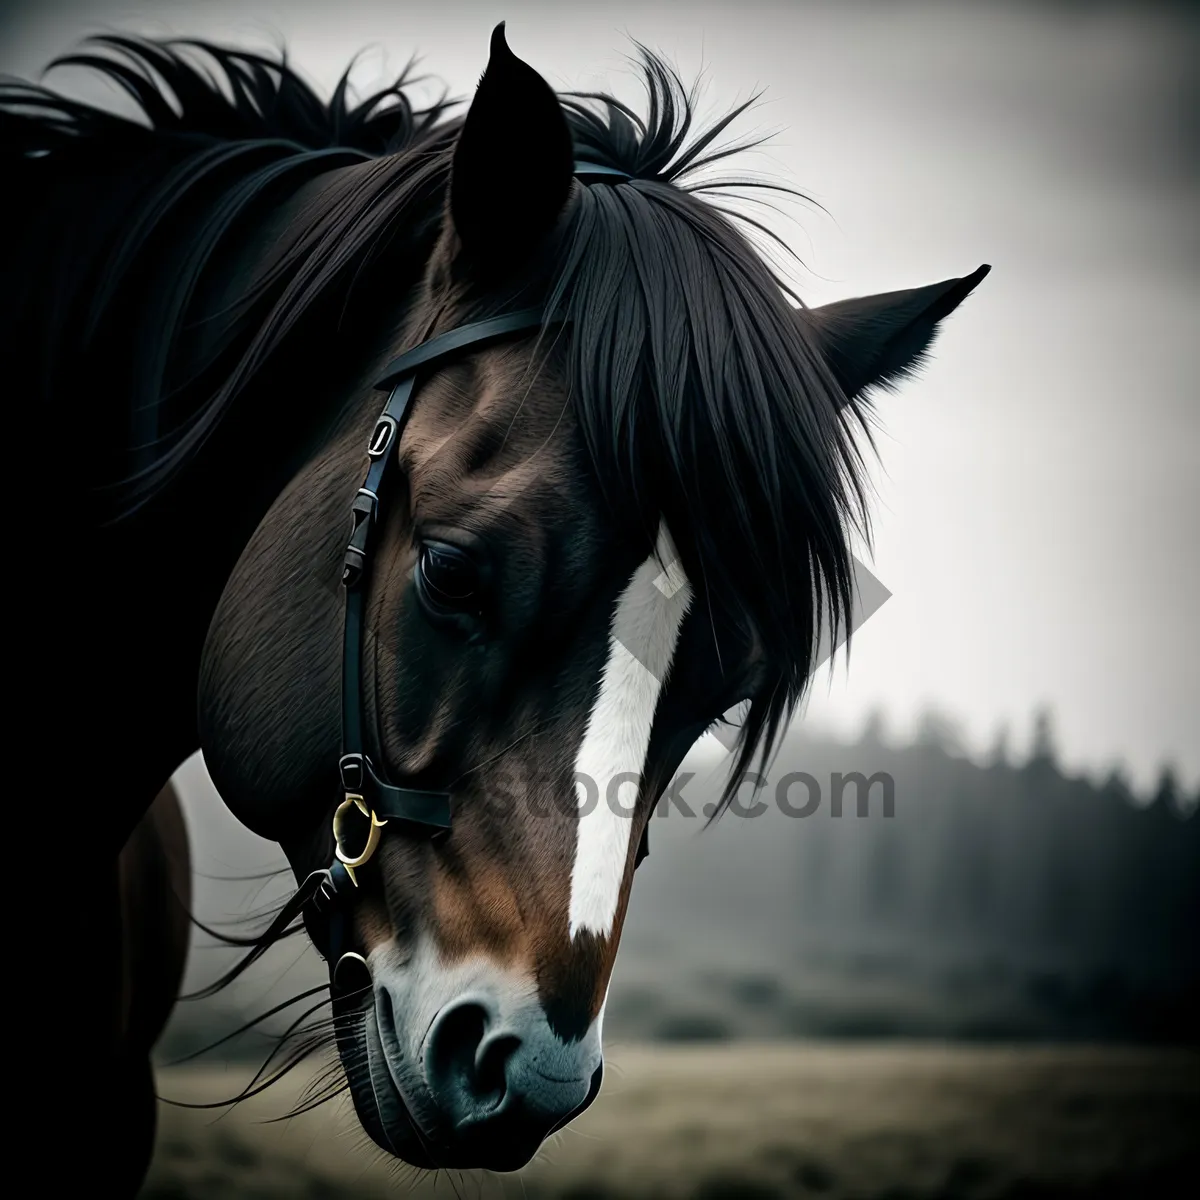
<point>329,894</point>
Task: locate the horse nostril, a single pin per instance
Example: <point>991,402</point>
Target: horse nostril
<point>455,1037</point>
<point>464,1067</point>
<point>491,1063</point>
<point>502,1080</point>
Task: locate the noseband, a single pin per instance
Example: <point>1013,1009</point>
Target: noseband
<point>366,796</point>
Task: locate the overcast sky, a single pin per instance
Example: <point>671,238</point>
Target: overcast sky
<point>1038,487</point>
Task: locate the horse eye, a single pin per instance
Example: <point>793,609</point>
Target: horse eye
<point>448,578</point>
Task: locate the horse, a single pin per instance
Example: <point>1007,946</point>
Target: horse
<point>154,896</point>
<point>443,478</point>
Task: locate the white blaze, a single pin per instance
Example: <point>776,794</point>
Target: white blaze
<point>648,617</point>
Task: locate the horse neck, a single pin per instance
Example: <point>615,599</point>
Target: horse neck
<point>164,572</point>
<point>164,568</point>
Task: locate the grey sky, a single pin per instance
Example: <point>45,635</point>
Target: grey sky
<point>1038,487</point>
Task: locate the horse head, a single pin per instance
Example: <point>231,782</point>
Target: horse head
<point>606,532</point>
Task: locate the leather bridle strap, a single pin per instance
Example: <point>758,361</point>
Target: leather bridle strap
<point>364,790</point>
<point>379,800</point>
<point>422,810</point>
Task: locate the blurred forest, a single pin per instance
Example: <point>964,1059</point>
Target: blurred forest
<point>1000,900</point>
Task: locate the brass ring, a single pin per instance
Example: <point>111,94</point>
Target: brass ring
<point>347,966</point>
<point>358,802</point>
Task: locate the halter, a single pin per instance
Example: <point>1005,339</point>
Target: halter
<point>365,795</point>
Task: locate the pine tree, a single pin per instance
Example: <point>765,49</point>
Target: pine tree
<point>1043,752</point>
<point>999,754</point>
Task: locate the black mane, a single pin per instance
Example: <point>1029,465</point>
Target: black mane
<point>248,97</point>
<point>691,370</point>
<point>689,367</point>
<point>123,224</point>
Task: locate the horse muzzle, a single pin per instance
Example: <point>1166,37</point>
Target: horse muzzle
<point>461,1068</point>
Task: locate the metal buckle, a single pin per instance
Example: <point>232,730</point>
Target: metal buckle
<point>351,861</point>
<point>381,437</point>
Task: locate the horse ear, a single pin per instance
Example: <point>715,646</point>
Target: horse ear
<point>513,164</point>
<point>879,340</point>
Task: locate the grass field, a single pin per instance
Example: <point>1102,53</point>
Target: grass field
<point>866,1121</point>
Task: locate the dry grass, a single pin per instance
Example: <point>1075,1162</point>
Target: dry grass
<point>872,1122</point>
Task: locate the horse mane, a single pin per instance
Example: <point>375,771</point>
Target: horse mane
<point>703,397</point>
<point>249,97</point>
<point>688,365</point>
<point>219,137</point>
